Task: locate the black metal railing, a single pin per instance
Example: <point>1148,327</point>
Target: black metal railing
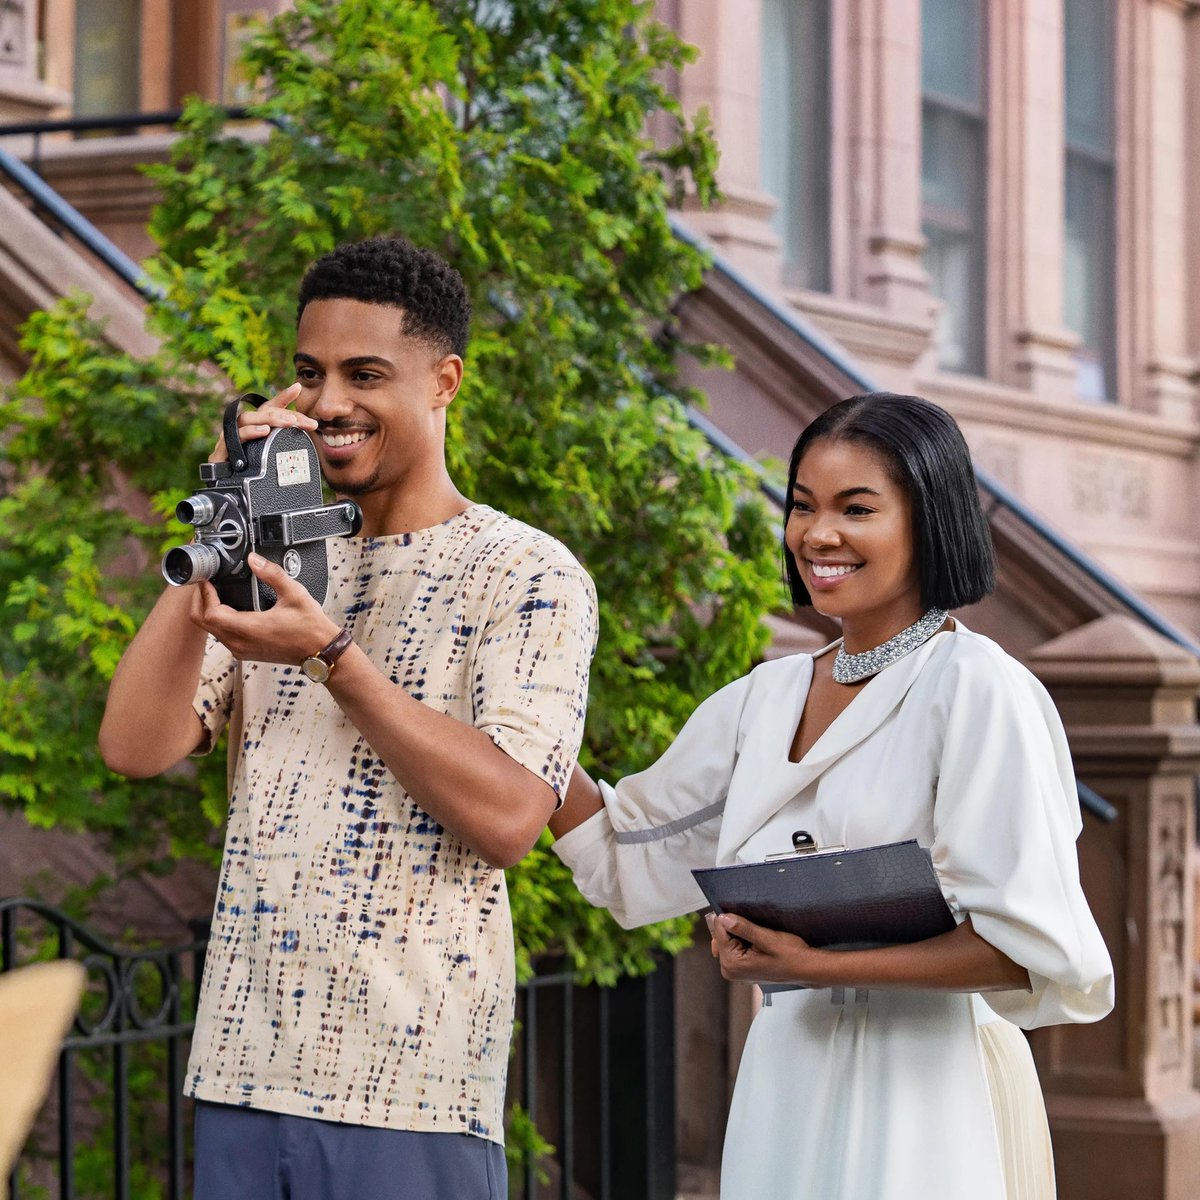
<point>133,998</point>
<point>63,217</point>
<point>593,1067</point>
<point>108,123</point>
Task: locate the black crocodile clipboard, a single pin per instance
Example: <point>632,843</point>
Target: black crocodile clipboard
<point>841,899</point>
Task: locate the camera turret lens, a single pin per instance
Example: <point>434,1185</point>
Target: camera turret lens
<point>196,510</point>
<point>190,564</point>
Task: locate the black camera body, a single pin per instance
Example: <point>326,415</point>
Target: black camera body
<point>267,500</point>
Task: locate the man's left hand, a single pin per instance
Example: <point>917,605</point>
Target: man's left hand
<point>295,627</point>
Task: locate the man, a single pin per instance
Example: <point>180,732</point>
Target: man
<point>390,752</point>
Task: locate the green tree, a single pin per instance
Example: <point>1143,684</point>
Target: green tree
<point>512,138</point>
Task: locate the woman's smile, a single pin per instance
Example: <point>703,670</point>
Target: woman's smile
<point>825,576</point>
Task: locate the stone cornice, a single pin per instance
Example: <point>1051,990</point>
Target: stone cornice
<point>996,404</point>
<point>864,329</point>
<point>1133,745</point>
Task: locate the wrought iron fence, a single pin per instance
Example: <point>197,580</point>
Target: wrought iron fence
<point>133,997</point>
<point>593,1067</point>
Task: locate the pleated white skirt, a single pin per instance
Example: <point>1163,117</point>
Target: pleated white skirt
<point>1020,1112</point>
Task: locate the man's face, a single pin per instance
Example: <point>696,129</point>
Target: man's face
<point>376,394</point>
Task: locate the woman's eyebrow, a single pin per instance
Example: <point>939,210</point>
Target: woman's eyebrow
<point>844,494</point>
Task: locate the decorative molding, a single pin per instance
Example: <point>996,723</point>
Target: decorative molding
<point>22,98</point>
<point>1042,362</point>
<point>1109,485</point>
<point>1168,387</point>
<point>1001,458</point>
<point>899,243</point>
<point>1173,953</point>
<point>1016,410</point>
<point>14,33</point>
<point>865,329</point>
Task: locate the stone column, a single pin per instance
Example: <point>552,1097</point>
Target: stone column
<point>883,107</point>
<point>1026,168</point>
<point>1152,210</point>
<point>726,78</point>
<point>197,48</point>
<point>1191,35</point>
<point>1123,1115</point>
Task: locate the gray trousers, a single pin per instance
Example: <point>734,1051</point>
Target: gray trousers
<point>249,1154</point>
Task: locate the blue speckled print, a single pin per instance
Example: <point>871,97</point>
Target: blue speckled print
<point>361,967</point>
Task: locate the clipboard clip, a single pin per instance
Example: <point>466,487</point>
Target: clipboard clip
<point>804,843</point>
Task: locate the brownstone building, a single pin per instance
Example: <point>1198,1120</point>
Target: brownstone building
<point>991,203</point>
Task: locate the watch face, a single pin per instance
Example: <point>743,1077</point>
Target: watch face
<point>317,669</point>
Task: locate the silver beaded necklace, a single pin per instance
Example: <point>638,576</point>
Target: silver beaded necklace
<point>852,668</point>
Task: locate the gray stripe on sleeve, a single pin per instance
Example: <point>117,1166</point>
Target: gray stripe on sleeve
<point>633,836</point>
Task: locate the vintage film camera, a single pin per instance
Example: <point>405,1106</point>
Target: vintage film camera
<point>265,499</point>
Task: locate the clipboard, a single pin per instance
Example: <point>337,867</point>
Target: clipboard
<point>836,898</point>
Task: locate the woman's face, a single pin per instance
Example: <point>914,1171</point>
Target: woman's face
<point>850,533</point>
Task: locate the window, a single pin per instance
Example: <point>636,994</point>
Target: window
<point>954,176</point>
<point>1089,283</point>
<point>107,56</point>
<point>796,134</point>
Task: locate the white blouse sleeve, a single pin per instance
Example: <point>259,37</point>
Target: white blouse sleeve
<point>1006,819</point>
<point>635,856</point>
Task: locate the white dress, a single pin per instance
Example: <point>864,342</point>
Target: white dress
<point>881,1096</point>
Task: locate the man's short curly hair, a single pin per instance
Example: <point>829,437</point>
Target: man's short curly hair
<point>392,271</point>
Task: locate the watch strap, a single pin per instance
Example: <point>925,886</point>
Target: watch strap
<point>331,653</point>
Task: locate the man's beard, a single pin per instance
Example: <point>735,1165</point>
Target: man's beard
<point>362,487</point>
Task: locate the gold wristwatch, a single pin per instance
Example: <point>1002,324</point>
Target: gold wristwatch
<point>318,667</point>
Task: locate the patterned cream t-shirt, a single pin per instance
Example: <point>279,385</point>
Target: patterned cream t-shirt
<point>361,964</point>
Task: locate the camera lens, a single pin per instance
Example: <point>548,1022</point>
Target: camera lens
<point>190,564</point>
<point>196,510</point>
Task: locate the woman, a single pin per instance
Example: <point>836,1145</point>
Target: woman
<point>895,1072</point>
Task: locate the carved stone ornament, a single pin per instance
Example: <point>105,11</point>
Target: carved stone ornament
<point>1173,968</point>
<point>13,32</point>
<point>1109,486</point>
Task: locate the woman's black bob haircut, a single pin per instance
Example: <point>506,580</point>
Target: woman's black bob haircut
<point>927,456</point>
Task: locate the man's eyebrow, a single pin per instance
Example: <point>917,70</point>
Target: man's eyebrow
<point>360,360</point>
<point>844,494</point>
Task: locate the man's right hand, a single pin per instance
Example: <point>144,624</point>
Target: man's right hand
<point>258,422</point>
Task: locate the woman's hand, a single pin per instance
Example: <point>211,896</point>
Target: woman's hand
<point>751,952</point>
<point>958,961</point>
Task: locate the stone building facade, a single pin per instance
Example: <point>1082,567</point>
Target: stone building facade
<point>991,203</point>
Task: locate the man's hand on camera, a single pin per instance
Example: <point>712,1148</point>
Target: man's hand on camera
<point>287,633</point>
<point>258,422</point>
